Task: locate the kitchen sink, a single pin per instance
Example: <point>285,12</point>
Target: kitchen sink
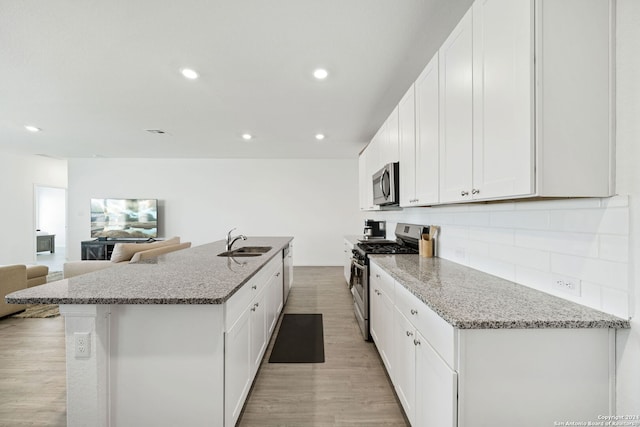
<point>247,251</point>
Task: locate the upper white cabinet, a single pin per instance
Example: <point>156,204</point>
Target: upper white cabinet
<point>525,101</point>
<point>517,103</point>
<point>503,137</point>
<point>456,112</point>
<point>418,114</point>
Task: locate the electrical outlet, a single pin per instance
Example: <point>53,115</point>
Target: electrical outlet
<point>82,344</point>
<point>566,284</point>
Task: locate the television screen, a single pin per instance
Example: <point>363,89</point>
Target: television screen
<point>124,218</point>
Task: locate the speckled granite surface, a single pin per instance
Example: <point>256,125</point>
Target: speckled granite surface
<point>470,299</point>
<point>190,276</point>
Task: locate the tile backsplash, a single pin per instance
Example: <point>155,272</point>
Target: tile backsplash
<point>577,249</point>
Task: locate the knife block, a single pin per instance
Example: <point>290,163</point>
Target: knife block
<point>426,246</point>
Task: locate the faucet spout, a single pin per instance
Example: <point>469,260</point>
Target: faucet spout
<point>232,240</point>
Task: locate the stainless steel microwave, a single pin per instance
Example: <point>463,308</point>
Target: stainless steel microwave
<point>386,185</point>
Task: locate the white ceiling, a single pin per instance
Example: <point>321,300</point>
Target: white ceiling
<point>94,74</point>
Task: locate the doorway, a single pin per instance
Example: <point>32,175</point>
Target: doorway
<point>51,226</point>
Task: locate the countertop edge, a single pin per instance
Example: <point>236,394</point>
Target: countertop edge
<point>606,321</point>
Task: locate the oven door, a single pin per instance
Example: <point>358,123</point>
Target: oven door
<point>360,291</point>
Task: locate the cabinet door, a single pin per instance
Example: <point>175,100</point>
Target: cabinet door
<point>436,388</point>
<point>391,140</point>
<point>456,112</point>
<point>404,378</point>
<point>381,318</point>
<point>258,329</point>
<point>274,301</point>
<point>427,124</point>
<point>347,260</point>
<point>503,138</point>
<point>407,148</point>
<point>237,367</point>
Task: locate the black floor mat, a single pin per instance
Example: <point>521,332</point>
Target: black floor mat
<point>300,340</point>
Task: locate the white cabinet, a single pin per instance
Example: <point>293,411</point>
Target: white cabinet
<point>404,376</point>
<point>503,95</point>
<point>436,388</point>
<point>346,259</point>
<point>381,310</point>
<point>526,101</point>
<point>389,152</point>
<point>456,112</point>
<point>252,314</point>
<point>419,139</point>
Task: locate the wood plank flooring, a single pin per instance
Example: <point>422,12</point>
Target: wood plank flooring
<point>32,373</point>
<point>350,389</point>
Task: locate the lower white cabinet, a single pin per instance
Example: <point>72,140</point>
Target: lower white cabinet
<point>449,377</point>
<point>252,312</point>
<point>381,310</point>
<point>436,387</point>
<point>348,247</point>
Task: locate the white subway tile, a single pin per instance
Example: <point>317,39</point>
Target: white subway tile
<point>615,201</point>
<point>527,220</point>
<point>478,219</point>
<point>609,221</point>
<point>607,273</point>
<point>591,294</point>
<point>615,302</point>
<point>492,266</point>
<point>536,279</point>
<point>477,248</point>
<point>503,236</point>
<point>493,207</point>
<point>614,248</point>
<point>532,258</point>
<point>581,244</point>
<point>454,231</point>
<point>559,204</point>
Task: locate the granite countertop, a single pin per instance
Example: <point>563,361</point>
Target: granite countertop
<point>189,276</point>
<point>470,299</point>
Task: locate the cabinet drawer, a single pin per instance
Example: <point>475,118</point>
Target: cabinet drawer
<point>245,295</point>
<point>381,279</point>
<point>439,334</point>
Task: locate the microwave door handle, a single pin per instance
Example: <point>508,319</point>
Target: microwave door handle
<point>385,175</point>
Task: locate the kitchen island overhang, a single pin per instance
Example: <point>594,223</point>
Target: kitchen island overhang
<point>156,334</point>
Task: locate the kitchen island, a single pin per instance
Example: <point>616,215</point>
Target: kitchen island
<point>174,340</point>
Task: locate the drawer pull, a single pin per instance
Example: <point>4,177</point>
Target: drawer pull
<point>416,342</point>
<point>256,304</point>
<point>253,309</point>
<point>409,333</point>
<point>414,312</point>
<point>278,274</point>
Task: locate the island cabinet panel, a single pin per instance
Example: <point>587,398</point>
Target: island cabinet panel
<point>237,365</point>
<point>381,319</point>
<point>149,371</point>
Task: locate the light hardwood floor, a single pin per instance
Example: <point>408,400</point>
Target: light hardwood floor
<point>349,389</point>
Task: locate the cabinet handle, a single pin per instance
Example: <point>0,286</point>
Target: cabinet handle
<point>377,276</point>
<point>254,287</point>
<point>253,309</point>
<point>475,191</point>
<point>416,342</point>
<point>464,193</point>
<point>256,304</point>
<point>278,274</point>
<point>409,333</point>
<point>414,311</point>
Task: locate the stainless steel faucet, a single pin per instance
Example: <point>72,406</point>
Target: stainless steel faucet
<point>231,241</point>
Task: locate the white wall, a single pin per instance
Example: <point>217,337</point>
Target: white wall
<point>315,201</point>
<point>19,176</point>
<point>594,240</point>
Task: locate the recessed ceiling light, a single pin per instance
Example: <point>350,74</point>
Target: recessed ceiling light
<point>188,73</point>
<point>319,136</point>
<point>320,73</point>
<point>247,136</point>
<point>31,128</point>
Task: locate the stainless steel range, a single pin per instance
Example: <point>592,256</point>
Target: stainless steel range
<point>407,240</point>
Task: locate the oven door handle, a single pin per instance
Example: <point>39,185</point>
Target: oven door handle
<point>354,272</point>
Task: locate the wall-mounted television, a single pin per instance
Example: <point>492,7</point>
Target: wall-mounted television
<point>124,218</point>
